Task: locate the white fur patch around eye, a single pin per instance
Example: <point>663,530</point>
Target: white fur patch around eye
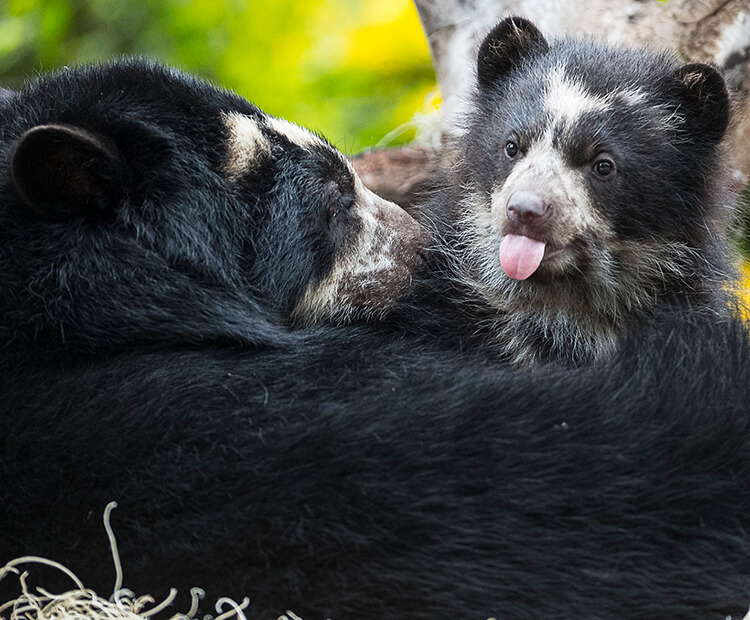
<point>566,99</point>
<point>373,271</point>
<point>543,168</point>
<point>365,262</point>
<point>296,134</point>
<point>246,143</point>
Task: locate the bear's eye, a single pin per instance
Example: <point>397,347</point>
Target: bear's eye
<point>511,149</point>
<point>338,198</point>
<point>604,168</point>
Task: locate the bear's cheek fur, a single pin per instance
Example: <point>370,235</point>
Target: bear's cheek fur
<point>373,271</point>
<point>571,216</point>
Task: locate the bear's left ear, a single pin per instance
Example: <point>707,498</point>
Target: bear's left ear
<point>63,171</point>
<point>510,42</point>
<point>705,100</point>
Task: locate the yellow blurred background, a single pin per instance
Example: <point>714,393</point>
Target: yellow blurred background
<point>352,69</point>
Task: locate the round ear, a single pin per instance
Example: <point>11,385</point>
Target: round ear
<point>62,171</point>
<point>510,42</point>
<point>705,100</point>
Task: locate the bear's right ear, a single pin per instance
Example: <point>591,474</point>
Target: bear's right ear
<point>510,42</point>
<point>62,171</point>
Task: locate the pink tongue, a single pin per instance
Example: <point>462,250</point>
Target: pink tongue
<point>520,256</point>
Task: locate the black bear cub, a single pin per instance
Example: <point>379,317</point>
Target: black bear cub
<point>589,192</point>
<point>141,205</point>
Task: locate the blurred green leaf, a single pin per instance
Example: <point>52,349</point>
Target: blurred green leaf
<point>343,67</point>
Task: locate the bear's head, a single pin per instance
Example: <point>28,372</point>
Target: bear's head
<point>591,188</point>
<point>138,204</point>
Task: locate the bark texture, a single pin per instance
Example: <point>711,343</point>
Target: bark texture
<point>713,31</point>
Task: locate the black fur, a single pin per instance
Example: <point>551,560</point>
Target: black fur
<point>646,239</point>
<point>340,473</point>
<point>511,43</point>
<point>122,219</point>
<point>345,477</point>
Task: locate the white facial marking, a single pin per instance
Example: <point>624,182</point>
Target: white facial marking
<point>373,271</point>
<point>543,168</point>
<point>566,99</point>
<point>296,134</point>
<point>246,143</point>
<point>369,256</point>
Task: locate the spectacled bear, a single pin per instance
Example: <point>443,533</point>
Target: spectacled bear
<point>158,235</point>
<point>589,195</point>
<point>141,205</point>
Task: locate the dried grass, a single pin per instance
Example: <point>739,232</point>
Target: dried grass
<point>81,603</point>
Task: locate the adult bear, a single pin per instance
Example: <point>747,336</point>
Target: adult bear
<point>148,277</point>
<point>138,204</point>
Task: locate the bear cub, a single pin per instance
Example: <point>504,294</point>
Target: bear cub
<point>588,193</point>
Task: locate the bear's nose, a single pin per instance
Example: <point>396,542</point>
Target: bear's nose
<point>526,207</point>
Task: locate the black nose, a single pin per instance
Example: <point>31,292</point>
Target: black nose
<point>526,207</point>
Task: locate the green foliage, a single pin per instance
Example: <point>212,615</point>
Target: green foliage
<point>352,69</point>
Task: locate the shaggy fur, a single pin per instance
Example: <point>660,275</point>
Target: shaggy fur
<point>138,204</point>
<point>609,161</point>
<point>345,477</point>
<point>156,237</point>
